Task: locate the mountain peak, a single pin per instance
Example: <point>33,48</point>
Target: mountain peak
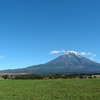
<point>69,62</point>
<point>71,52</point>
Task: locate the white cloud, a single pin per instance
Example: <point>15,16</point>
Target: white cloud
<point>1,57</point>
<point>83,53</point>
<point>91,58</point>
<point>94,55</point>
<point>62,51</point>
<point>90,54</point>
<point>80,53</point>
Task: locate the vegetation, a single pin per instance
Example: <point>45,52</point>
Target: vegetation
<point>59,89</point>
<point>57,76</point>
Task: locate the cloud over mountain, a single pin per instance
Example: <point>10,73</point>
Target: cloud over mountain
<point>62,51</point>
<point>80,53</point>
<point>69,62</point>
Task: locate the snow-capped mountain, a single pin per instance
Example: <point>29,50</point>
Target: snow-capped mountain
<point>69,62</point>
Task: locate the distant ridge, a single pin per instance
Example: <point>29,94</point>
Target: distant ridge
<point>70,62</point>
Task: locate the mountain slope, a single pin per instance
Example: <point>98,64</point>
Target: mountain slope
<point>70,62</point>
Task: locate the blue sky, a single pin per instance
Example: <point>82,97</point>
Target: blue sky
<point>31,29</point>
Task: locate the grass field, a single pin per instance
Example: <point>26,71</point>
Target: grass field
<point>58,89</point>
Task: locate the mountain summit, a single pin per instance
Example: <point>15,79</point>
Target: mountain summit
<point>69,62</point>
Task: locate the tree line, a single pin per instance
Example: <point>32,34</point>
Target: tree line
<point>56,76</point>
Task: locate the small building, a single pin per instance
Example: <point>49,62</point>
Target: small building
<point>86,77</point>
<point>95,76</point>
<point>1,78</point>
<point>45,78</point>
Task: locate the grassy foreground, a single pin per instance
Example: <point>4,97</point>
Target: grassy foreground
<point>58,89</point>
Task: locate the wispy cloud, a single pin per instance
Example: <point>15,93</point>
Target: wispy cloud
<point>1,57</point>
<point>91,58</point>
<point>62,51</point>
<point>85,53</point>
<point>94,55</point>
<point>91,55</point>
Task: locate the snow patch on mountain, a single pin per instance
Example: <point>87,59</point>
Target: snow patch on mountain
<point>79,54</point>
<point>72,52</point>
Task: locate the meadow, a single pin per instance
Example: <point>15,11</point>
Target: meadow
<point>57,89</point>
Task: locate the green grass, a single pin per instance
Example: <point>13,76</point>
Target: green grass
<point>59,89</point>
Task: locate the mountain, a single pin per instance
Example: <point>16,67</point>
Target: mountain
<point>70,62</point>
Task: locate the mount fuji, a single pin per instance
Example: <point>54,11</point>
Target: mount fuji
<point>70,62</point>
